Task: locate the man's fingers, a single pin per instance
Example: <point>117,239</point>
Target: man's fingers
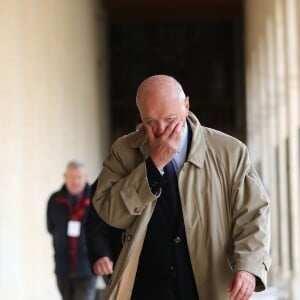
<point>177,134</point>
<point>107,265</point>
<point>173,129</point>
<point>170,127</point>
<point>235,288</point>
<point>164,147</point>
<point>241,286</point>
<point>103,266</point>
<point>150,132</point>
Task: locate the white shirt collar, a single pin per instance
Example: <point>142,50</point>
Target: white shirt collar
<point>181,153</point>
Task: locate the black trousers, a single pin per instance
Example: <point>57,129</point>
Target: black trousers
<point>77,288</point>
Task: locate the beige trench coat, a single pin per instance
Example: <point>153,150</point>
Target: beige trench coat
<point>224,204</point>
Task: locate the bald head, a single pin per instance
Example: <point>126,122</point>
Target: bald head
<point>162,86</point>
<point>161,100</point>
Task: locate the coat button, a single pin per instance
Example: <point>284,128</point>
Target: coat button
<point>136,210</point>
<point>177,240</point>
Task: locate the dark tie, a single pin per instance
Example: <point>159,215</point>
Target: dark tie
<point>172,199</point>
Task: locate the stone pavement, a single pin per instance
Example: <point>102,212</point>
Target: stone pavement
<point>270,294</point>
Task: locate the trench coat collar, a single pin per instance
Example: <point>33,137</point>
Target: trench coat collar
<point>198,145</point>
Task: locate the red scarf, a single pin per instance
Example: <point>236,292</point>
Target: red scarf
<point>76,213</point>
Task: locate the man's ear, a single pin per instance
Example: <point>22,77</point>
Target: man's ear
<point>187,103</point>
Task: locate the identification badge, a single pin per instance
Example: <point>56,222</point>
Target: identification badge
<point>73,229</point>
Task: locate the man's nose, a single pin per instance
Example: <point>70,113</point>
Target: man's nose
<point>159,129</point>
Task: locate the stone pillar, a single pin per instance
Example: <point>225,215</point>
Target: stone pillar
<point>53,108</point>
<point>292,81</point>
<point>281,91</point>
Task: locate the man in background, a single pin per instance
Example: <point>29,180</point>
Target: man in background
<point>104,242</point>
<point>66,212</point>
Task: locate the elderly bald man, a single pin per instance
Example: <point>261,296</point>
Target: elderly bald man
<point>195,212</point>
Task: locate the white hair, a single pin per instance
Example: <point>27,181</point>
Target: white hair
<point>76,164</point>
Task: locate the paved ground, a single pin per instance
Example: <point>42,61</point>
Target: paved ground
<point>270,294</point>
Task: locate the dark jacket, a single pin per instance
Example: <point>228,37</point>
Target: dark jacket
<point>102,239</point>
<point>70,253</point>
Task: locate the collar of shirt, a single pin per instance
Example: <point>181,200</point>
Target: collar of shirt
<point>180,156</point>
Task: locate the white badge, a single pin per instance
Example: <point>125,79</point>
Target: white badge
<point>73,228</point>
